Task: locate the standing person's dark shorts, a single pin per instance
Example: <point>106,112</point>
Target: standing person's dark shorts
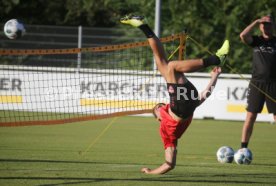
<point>260,93</point>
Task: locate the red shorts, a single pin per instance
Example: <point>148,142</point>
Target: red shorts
<point>171,130</point>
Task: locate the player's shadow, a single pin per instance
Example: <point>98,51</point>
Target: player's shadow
<point>170,178</point>
<point>155,180</point>
<point>62,161</point>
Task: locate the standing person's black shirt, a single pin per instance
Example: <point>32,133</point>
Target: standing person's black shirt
<point>264,59</point>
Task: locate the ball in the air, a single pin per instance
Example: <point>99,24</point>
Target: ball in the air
<point>14,29</point>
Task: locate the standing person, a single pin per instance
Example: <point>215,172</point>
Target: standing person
<point>175,117</point>
<point>262,87</point>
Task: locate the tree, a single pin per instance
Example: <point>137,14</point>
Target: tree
<point>209,22</point>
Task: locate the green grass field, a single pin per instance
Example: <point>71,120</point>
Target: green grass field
<point>50,155</point>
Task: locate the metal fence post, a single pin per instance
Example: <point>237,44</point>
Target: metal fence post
<point>79,46</point>
<point>157,24</point>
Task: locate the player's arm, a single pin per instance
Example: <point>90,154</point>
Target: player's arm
<point>170,156</point>
<point>246,35</point>
<point>211,85</point>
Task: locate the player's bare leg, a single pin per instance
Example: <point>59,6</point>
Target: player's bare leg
<point>160,57</point>
<point>159,54</point>
<point>193,65</point>
<point>173,71</point>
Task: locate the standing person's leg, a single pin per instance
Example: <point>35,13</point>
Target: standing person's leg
<point>255,104</point>
<point>248,128</point>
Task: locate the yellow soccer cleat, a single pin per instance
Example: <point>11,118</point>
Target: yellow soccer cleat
<point>223,52</point>
<point>133,20</point>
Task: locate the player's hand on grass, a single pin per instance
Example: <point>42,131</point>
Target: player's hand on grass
<point>145,170</point>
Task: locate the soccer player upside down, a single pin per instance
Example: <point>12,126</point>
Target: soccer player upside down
<point>176,116</point>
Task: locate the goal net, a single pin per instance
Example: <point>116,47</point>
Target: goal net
<point>56,86</point>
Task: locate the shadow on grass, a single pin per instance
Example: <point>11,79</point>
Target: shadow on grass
<point>65,161</point>
<point>91,180</point>
<point>91,162</point>
<point>207,178</point>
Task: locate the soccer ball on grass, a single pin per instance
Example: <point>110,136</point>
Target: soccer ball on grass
<point>225,154</point>
<point>14,29</point>
<point>243,156</point>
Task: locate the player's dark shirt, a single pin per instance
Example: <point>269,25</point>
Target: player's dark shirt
<point>183,99</point>
<point>264,59</point>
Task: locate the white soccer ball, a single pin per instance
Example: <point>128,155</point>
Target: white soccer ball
<point>243,156</point>
<point>225,154</point>
<point>13,29</point>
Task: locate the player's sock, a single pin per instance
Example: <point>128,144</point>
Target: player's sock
<point>147,30</point>
<point>211,61</point>
<point>244,144</point>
